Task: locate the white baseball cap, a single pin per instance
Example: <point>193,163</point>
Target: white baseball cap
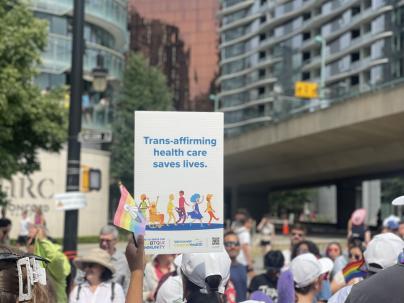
<point>198,266</point>
<point>306,268</point>
<point>170,291</point>
<point>398,201</point>
<point>383,250</point>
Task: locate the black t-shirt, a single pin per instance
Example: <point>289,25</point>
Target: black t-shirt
<point>4,222</point>
<point>385,286</point>
<point>266,284</point>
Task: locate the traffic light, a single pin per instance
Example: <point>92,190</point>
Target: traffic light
<point>90,179</point>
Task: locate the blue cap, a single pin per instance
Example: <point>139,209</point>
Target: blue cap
<point>260,296</point>
<point>392,224</point>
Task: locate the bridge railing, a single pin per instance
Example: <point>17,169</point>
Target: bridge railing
<point>286,107</point>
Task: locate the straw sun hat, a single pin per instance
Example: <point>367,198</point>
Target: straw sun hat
<point>97,256</point>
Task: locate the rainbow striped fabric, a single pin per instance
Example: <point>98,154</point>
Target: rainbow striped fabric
<point>127,215</point>
<point>356,269</point>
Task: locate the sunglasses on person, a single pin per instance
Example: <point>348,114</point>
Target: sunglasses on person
<point>231,244</point>
<point>355,257</point>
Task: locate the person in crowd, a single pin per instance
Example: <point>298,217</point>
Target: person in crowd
<point>267,282</point>
<point>59,267</point>
<point>5,227</point>
<point>392,226</point>
<point>108,239</point>
<point>242,229</point>
<point>357,228</point>
<point>159,266</point>
<point>205,276</point>
<point>307,273</point>
<point>169,288</point>
<point>39,218</point>
<point>334,252</point>
<point>298,233</point>
<point>238,272</point>
<point>24,229</point>
<point>355,253</point>
<point>267,230</point>
<point>41,290</point>
<point>401,230</point>
<point>303,247</point>
<point>381,253</point>
<point>98,285</point>
<point>307,246</point>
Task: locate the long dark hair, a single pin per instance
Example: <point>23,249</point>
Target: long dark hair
<point>313,248</point>
<point>193,292</point>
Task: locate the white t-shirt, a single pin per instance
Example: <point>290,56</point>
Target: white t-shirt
<point>244,237</point>
<point>102,294</point>
<point>170,291</point>
<point>24,227</point>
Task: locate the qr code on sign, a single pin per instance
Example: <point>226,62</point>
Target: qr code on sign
<point>215,241</point>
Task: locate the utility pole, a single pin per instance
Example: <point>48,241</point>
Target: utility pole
<point>73,147</point>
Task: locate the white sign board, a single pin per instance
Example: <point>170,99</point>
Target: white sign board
<point>70,200</point>
<point>179,180</point>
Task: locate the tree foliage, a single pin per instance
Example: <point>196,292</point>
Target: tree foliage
<point>28,121</point>
<point>143,88</point>
<point>288,201</point>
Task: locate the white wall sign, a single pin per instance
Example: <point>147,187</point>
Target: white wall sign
<point>179,180</point>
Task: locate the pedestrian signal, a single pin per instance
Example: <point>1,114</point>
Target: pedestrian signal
<point>90,179</point>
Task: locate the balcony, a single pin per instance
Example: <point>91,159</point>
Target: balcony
<point>101,12</point>
<point>57,57</point>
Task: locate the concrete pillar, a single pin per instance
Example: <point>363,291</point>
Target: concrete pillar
<point>346,201</point>
<point>371,197</point>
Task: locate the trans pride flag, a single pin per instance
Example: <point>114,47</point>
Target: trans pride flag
<point>356,269</point>
<point>128,216</point>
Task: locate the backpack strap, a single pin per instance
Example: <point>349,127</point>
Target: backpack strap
<point>78,293</point>
<point>112,291</point>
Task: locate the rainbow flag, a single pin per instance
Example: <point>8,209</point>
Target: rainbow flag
<point>356,269</point>
<point>127,215</point>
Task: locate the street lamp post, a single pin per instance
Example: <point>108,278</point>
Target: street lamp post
<point>73,147</point>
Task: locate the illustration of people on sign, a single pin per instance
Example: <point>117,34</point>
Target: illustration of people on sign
<point>170,209</point>
<point>209,209</point>
<point>181,208</point>
<point>143,205</point>
<point>154,216</point>
<point>196,214</point>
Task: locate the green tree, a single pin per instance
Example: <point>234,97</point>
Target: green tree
<point>28,121</point>
<point>143,88</point>
<point>288,201</point>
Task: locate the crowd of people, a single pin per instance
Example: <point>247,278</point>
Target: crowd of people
<point>365,268</point>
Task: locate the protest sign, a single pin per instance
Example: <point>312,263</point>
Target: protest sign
<point>179,180</point>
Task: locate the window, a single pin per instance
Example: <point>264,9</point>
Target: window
<point>261,108</point>
<point>306,36</point>
<point>261,55</point>
<point>261,91</point>
<point>355,33</point>
<point>261,73</point>
<point>306,56</point>
<point>305,75</point>
<point>354,80</point>
<point>355,57</point>
<point>263,37</point>
<point>263,19</point>
<point>355,10</point>
<point>263,2</point>
<point>306,16</point>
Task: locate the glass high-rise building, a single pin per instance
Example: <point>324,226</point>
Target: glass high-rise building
<point>106,37</point>
<point>266,46</point>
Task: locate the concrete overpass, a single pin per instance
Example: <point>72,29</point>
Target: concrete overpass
<point>356,138</point>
